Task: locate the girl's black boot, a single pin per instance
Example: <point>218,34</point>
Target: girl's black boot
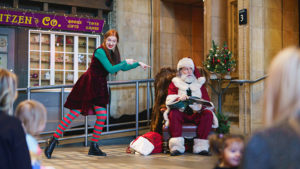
<point>94,150</point>
<point>51,143</point>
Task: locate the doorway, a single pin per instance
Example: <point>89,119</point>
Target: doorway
<point>7,45</point>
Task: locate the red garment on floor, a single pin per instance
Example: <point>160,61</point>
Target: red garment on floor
<point>156,140</point>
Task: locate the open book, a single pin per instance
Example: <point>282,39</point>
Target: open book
<point>192,99</point>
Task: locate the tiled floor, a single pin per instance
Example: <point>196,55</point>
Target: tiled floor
<point>77,158</point>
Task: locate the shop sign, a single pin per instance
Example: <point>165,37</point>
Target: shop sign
<point>50,21</point>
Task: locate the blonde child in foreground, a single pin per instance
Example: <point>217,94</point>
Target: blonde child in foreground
<point>229,149</point>
<point>13,148</point>
<point>33,116</point>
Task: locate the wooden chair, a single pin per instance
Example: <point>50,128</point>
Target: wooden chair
<point>188,133</point>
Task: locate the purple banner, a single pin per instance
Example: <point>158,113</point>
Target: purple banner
<point>48,21</point>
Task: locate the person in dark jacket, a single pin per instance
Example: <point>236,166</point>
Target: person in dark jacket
<point>278,146</point>
<point>89,95</point>
<point>14,152</point>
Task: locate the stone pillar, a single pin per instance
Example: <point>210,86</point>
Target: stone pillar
<point>214,23</point>
<point>253,93</point>
<point>156,5</point>
<point>272,26</point>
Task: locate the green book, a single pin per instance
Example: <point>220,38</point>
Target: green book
<point>191,100</point>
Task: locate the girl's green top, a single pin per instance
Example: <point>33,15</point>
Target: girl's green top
<point>101,56</point>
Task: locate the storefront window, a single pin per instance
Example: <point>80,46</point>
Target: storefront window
<point>58,58</point>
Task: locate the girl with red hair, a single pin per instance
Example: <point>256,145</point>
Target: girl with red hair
<point>89,95</point>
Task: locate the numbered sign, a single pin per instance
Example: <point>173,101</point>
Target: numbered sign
<point>243,16</point>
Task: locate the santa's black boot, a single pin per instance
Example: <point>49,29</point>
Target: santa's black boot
<point>51,143</point>
<point>95,150</point>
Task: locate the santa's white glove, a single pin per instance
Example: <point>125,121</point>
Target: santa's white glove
<point>130,61</point>
<point>143,65</point>
<point>195,106</point>
<point>183,97</point>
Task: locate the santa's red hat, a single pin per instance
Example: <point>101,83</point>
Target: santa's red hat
<point>185,62</point>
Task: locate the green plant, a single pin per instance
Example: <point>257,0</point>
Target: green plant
<point>224,123</point>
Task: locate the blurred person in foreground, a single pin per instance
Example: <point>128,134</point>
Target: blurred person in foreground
<point>14,152</point>
<point>278,146</point>
<point>33,116</point>
<point>228,148</point>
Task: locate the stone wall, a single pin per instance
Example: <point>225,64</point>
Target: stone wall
<point>270,29</point>
<point>133,22</point>
<point>178,32</point>
<point>219,26</point>
<point>215,27</point>
<point>272,25</point>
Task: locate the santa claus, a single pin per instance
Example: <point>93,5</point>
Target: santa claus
<point>188,83</point>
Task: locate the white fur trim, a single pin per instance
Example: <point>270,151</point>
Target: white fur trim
<point>200,145</point>
<point>166,118</point>
<point>185,62</point>
<point>169,100</point>
<point>201,80</point>
<point>196,91</point>
<point>176,143</point>
<point>194,86</point>
<point>215,121</point>
<point>142,146</point>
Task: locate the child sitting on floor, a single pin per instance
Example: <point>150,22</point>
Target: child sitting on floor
<point>33,116</point>
<point>229,149</point>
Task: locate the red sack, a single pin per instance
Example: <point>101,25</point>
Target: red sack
<point>156,140</point>
<point>146,144</point>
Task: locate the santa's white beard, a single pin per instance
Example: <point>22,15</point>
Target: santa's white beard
<point>188,78</point>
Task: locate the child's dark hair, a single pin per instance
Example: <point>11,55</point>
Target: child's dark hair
<point>218,142</point>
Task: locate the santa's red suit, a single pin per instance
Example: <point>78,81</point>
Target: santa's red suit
<point>205,119</point>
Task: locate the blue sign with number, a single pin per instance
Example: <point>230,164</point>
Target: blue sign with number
<point>243,16</point>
